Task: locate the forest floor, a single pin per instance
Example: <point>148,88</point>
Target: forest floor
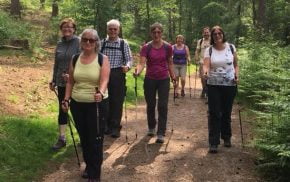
<point>183,157</point>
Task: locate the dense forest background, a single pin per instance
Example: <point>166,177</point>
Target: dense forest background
<point>259,28</point>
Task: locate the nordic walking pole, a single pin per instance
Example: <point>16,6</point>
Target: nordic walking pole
<point>195,78</point>
<point>126,112</point>
<point>136,102</point>
<point>188,67</point>
<point>71,132</point>
<point>241,128</point>
<point>98,117</point>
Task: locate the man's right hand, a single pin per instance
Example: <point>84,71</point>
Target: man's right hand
<point>52,86</point>
<point>136,74</point>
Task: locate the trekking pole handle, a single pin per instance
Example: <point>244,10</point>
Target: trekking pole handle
<point>98,92</point>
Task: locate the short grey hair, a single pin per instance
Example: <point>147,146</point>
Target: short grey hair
<point>95,36</point>
<point>113,22</point>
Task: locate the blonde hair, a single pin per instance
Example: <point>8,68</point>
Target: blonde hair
<point>113,22</point>
<point>179,36</point>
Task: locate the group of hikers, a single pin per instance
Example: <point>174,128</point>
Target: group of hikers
<point>90,77</point>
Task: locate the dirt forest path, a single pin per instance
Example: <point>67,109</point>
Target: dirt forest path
<point>183,157</point>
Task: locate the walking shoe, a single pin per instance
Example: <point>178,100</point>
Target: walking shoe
<point>160,139</point>
<point>176,95</point>
<point>151,132</point>
<point>213,149</point>
<point>59,144</point>
<point>227,143</point>
<point>116,132</point>
<point>85,174</point>
<point>182,93</point>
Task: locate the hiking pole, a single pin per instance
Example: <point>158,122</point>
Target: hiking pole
<point>126,130</point>
<point>73,139</point>
<point>98,117</point>
<point>71,132</point>
<point>195,78</point>
<point>189,81</point>
<point>241,128</point>
<point>136,103</point>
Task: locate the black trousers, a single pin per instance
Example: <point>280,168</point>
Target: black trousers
<point>161,87</point>
<point>62,116</point>
<point>116,88</point>
<point>91,133</point>
<point>220,103</point>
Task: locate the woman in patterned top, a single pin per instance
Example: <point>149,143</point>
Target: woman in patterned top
<point>221,71</point>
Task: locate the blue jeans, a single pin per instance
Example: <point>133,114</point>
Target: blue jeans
<point>151,87</point>
<point>220,103</point>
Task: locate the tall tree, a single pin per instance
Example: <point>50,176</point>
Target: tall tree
<point>15,8</point>
<point>54,11</point>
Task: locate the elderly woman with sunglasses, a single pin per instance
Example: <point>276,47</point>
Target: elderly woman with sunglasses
<point>66,47</point>
<point>86,93</point>
<point>221,71</point>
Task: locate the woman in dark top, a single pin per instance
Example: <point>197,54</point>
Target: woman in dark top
<point>65,49</point>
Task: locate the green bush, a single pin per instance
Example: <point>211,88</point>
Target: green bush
<point>264,76</point>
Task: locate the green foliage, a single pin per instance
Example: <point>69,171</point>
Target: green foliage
<point>25,147</point>
<point>11,28</point>
<point>264,76</point>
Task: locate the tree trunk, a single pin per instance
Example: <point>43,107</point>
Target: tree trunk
<point>170,35</point>
<point>42,2</point>
<point>239,23</point>
<point>15,8</point>
<point>148,19</point>
<point>180,17</point>
<point>261,13</point>
<point>54,12</point>
<point>254,12</point>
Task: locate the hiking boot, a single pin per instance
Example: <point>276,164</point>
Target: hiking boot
<point>85,174</point>
<point>213,149</point>
<point>151,132</point>
<point>116,132</point>
<point>227,143</point>
<point>160,139</point>
<point>182,93</point>
<point>59,144</point>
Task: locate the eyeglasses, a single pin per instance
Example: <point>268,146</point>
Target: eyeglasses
<point>66,27</point>
<point>113,29</point>
<point>156,32</point>
<point>91,41</point>
<point>219,33</point>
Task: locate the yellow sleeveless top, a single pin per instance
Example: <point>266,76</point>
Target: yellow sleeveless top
<point>87,78</point>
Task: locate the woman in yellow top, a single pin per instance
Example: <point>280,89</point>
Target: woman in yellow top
<point>90,71</point>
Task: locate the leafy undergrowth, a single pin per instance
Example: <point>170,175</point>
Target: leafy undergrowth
<point>26,147</point>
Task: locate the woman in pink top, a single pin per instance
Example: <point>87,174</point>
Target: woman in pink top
<point>157,55</point>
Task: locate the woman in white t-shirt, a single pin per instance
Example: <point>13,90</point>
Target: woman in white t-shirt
<point>221,71</point>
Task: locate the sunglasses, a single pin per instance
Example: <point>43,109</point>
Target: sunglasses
<point>219,33</point>
<point>91,41</point>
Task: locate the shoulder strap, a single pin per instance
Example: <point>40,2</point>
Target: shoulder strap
<point>166,47</point>
<point>74,59</point>
<point>148,49</point>
<point>200,42</point>
<point>210,51</point>
<point>122,47</point>
<point>232,48</point>
<point>100,59</point>
<point>76,56</point>
<point>103,46</point>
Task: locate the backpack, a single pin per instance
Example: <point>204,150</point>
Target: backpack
<point>149,47</point>
<point>121,48</point>
<point>76,56</point>
<point>231,47</point>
